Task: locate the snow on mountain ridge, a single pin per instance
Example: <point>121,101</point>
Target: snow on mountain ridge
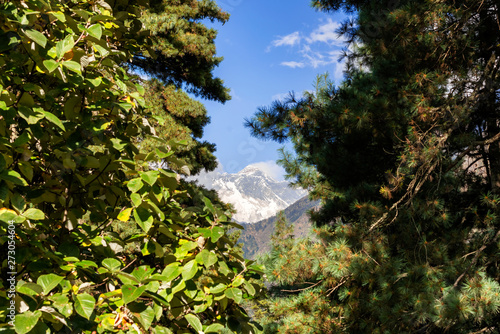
<point>254,194</point>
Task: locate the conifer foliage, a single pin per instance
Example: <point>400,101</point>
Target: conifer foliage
<point>96,240</point>
<point>405,155</point>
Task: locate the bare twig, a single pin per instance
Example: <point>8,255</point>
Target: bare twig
<point>342,282</point>
<point>309,287</point>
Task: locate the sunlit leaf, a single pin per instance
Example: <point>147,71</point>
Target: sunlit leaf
<point>95,30</point>
<point>143,218</point>
<point>36,37</point>
<point>35,214</point>
<point>235,294</point>
<point>194,322</point>
<point>64,46</point>
<point>25,322</point>
<point>54,119</point>
<point>131,293</point>
<point>125,215</point>
<point>72,66</point>
<point>189,270</point>
<point>84,305</point>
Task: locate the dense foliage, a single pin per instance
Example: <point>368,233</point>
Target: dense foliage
<point>103,242</point>
<point>405,155</point>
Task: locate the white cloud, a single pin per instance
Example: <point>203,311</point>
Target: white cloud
<point>293,64</point>
<point>326,33</point>
<point>289,40</point>
<point>234,96</point>
<point>315,49</point>
<point>339,71</point>
<point>271,168</point>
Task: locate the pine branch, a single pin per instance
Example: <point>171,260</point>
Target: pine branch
<point>476,258</point>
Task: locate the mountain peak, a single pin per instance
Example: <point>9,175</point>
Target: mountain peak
<point>253,170</point>
<point>253,192</point>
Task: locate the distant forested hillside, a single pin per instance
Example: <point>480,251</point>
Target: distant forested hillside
<point>256,237</point>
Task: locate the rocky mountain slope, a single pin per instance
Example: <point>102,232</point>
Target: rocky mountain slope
<point>254,194</point>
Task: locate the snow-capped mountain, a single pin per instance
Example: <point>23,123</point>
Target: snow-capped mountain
<point>254,194</point>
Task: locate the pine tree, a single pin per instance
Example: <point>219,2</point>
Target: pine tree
<point>183,50</point>
<point>404,154</point>
<point>175,115</point>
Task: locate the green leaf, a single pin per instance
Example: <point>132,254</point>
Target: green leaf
<point>131,293</point>
<point>214,233</point>
<point>146,317</point>
<point>14,177</point>
<point>111,264</point>
<point>177,288</point>
<point>95,82</point>
<point>136,199</point>
<point>238,280</point>
<point>18,202</point>
<point>64,46</point>
<point>86,264</point>
<point>250,289</point>
<point>26,169</point>
<point>84,305</point>
<point>183,250</point>
<point>59,15</point>
<point>150,177</point>
<point>143,218</point>
<point>206,258</point>
<point>217,233</point>
<point>142,272</point>
<point>26,321</point>
<point>54,119</point>
<point>36,37</point>
<point>27,100</point>
<point>194,322</point>
<point>102,50</point>
<point>95,30</point>
<point>135,185</point>
<point>218,288</point>
<point>118,144</point>
<point>214,328</point>
<point>31,116</point>
<point>7,215</point>
<point>126,278</point>
<point>30,289</point>
<point>171,271</point>
<point>34,214</point>
<point>162,330</point>
<point>62,304</point>
<point>189,270</point>
<point>209,205</point>
<point>235,294</point>
<point>50,65</point>
<point>72,66</point>
<point>48,282</point>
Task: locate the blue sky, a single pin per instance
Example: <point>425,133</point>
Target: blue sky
<point>270,48</point>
